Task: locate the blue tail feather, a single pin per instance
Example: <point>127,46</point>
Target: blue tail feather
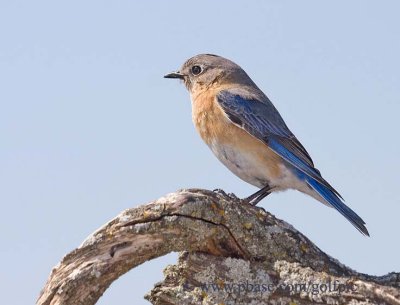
<point>336,203</point>
<point>307,172</point>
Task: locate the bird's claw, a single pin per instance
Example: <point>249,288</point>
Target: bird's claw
<point>233,196</point>
<point>223,193</point>
<point>220,192</point>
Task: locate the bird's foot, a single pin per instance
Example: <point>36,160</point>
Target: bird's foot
<point>233,196</point>
<point>220,192</point>
<point>223,193</point>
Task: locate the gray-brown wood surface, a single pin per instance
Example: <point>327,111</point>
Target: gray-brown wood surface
<point>231,253</point>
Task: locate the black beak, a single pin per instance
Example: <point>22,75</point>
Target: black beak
<point>176,74</point>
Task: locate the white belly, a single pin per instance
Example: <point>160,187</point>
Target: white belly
<point>246,166</point>
<point>242,164</point>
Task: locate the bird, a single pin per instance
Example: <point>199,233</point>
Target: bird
<point>247,134</point>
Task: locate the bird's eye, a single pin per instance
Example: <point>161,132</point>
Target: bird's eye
<point>196,70</point>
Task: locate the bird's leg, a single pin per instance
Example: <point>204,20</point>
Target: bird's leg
<point>255,198</point>
<point>259,198</point>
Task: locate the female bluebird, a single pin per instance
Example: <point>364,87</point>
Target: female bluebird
<point>247,134</point>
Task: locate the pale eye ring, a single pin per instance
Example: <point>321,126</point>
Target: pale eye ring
<point>196,70</point>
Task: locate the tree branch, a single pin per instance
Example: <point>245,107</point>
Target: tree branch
<point>234,254</point>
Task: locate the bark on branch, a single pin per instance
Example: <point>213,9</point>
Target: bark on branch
<point>234,253</point>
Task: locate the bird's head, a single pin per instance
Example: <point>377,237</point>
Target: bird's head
<point>206,70</point>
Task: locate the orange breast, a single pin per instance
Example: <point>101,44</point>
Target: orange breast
<point>216,129</point>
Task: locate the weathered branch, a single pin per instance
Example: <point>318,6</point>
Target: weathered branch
<point>234,254</point>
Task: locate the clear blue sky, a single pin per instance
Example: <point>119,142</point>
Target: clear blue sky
<point>88,126</point>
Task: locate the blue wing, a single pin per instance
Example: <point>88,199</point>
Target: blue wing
<point>258,116</point>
